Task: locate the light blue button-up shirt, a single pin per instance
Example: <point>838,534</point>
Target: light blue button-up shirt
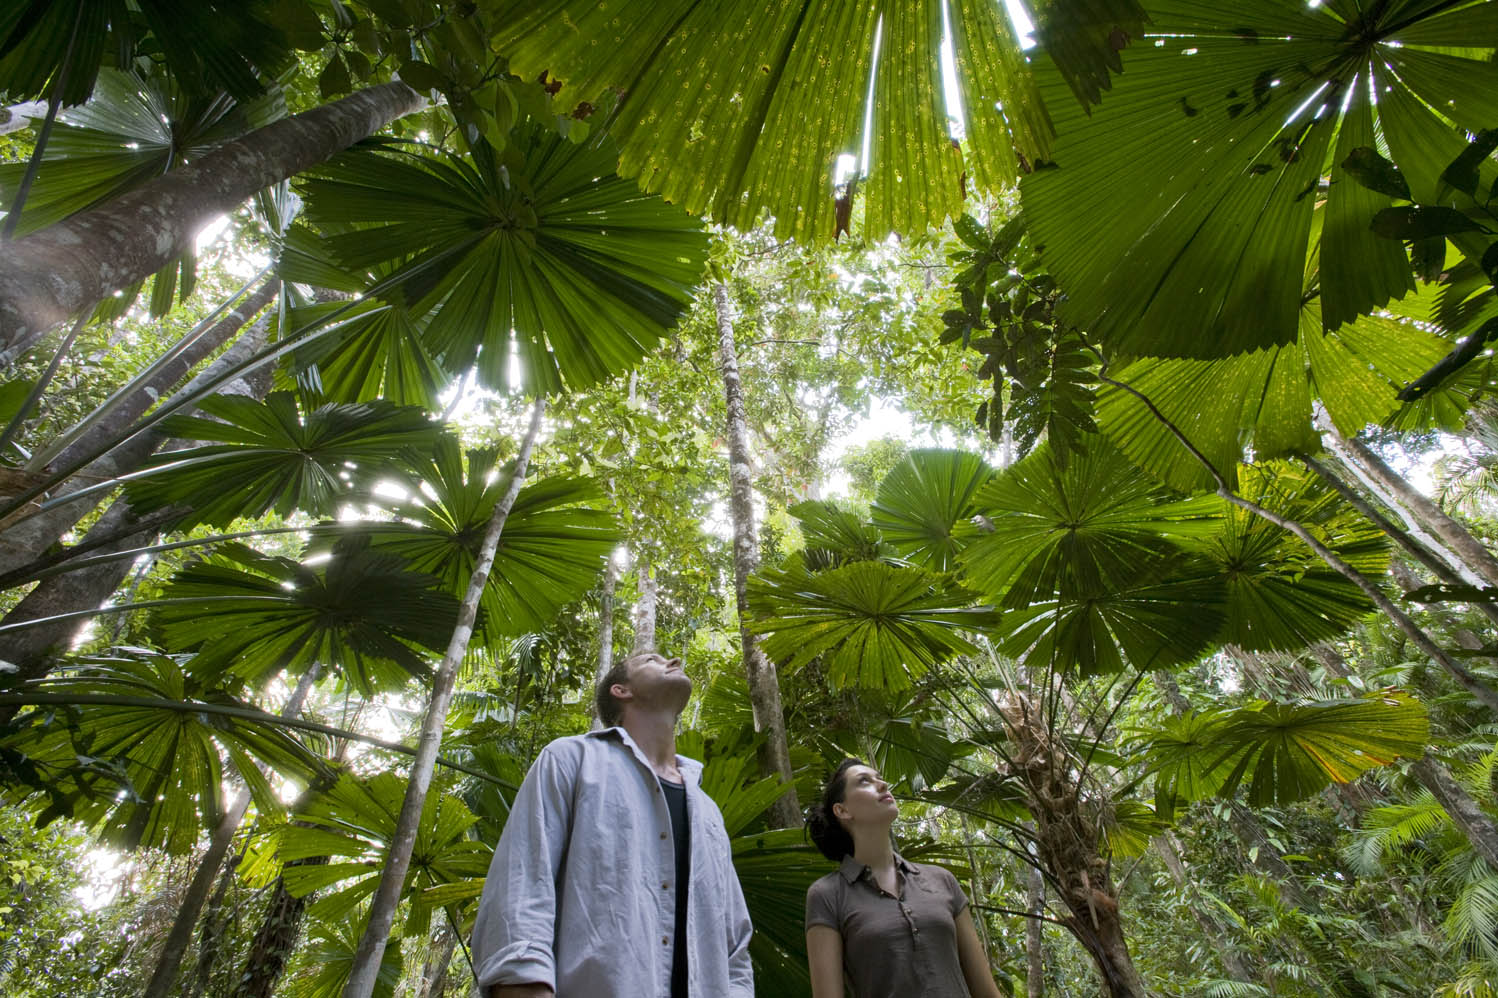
<point>581,894</point>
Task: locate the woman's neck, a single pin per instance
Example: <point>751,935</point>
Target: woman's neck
<point>873,848</point>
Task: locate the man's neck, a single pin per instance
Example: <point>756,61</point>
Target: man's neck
<point>655,734</point>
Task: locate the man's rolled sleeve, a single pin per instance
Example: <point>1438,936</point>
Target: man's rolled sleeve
<point>516,921</point>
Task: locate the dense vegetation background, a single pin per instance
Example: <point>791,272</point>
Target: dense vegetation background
<point>1091,427</point>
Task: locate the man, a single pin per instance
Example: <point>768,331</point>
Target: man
<point>614,876</point>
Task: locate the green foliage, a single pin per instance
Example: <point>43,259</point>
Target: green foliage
<point>921,501</point>
<point>1182,213</point>
<point>541,248</point>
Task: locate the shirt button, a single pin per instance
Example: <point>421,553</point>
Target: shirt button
<point>665,886</point>
<point>663,835</point>
<point>665,940</point>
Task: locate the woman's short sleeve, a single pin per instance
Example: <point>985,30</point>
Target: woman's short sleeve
<point>821,905</point>
<point>957,899</point>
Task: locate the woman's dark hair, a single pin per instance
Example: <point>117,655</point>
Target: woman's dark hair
<point>827,833</point>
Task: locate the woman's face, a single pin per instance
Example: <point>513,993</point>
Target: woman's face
<point>866,798</point>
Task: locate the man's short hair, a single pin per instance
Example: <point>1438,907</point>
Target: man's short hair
<point>610,710</point>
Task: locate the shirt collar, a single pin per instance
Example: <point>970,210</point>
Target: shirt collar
<point>691,769</point>
<point>852,869</point>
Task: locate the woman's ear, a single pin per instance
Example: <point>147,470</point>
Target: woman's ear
<point>840,810</point>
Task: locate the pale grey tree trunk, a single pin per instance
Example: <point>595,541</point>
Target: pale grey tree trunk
<point>764,683</point>
<point>366,964</point>
<point>606,620</point>
<point>180,936</point>
<point>1417,545</point>
<point>1469,551</point>
<point>18,116</point>
<point>643,616</point>
<point>1168,848</point>
<point>34,649</point>
<point>1034,932</point>
<point>26,540</point>
<point>67,267</point>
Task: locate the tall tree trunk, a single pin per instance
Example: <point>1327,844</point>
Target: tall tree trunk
<point>275,941</point>
<point>1034,933</point>
<point>434,973</point>
<point>26,540</point>
<point>213,932</point>
<point>69,266</point>
<point>605,637</point>
<point>764,683</point>
<point>34,649</point>
<point>177,941</point>
<point>366,966</point>
<point>1069,837</point>
<point>1474,822</point>
<point>1169,850</point>
<point>1417,544</point>
<point>1472,553</point>
<point>18,116</point>
<point>645,605</point>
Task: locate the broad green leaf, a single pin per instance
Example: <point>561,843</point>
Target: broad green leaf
<point>360,611</point>
<point>544,251</point>
<point>330,952</point>
<point>272,455</point>
<point>873,624</point>
<point>835,534</point>
<point>172,760</point>
<point>1050,529</point>
<point>1263,402</point>
<point>737,112</point>
<point>1280,594</point>
<point>554,543</point>
<point>1178,214</point>
<point>923,498</point>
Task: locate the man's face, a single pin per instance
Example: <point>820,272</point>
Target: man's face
<point>658,681</point>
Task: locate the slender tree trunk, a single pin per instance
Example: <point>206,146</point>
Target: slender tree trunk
<point>177,941</point>
<point>366,965</point>
<point>1417,547</point>
<point>34,649</point>
<point>644,612</point>
<point>606,620</point>
<point>434,973</point>
<point>764,683</point>
<point>213,932</point>
<point>69,266</point>
<point>1474,822</point>
<point>26,540</point>
<point>1034,933</point>
<point>1473,554</point>
<point>1169,850</point>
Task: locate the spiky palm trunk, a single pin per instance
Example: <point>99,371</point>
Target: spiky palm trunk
<point>68,267</point>
<point>275,941</point>
<point>764,683</point>
<point>366,965</point>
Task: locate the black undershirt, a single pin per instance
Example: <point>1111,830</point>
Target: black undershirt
<point>676,803</point>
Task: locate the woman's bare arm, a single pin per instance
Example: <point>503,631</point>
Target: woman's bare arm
<point>824,952</point>
<point>972,958</point>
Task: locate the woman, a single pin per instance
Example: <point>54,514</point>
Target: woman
<point>898,929</point>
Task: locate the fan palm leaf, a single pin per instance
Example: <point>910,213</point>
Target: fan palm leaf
<point>329,959</point>
<point>546,252</point>
<point>1280,595</point>
<point>172,761</point>
<point>1223,128</point>
<point>874,624</point>
<point>273,455</point>
<point>735,113</point>
<point>361,611</point>
<point>923,498</point>
<point>553,547</point>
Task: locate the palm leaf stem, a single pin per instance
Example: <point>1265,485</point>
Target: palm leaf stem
<point>120,396</point>
<point>1098,739</point>
<point>1481,691</point>
<point>299,338</point>
<point>64,561</point>
<point>34,165</point>
<point>1414,549</point>
<point>382,909</point>
<point>1019,914</point>
<point>35,395</point>
<point>227,710</point>
<point>58,618</point>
